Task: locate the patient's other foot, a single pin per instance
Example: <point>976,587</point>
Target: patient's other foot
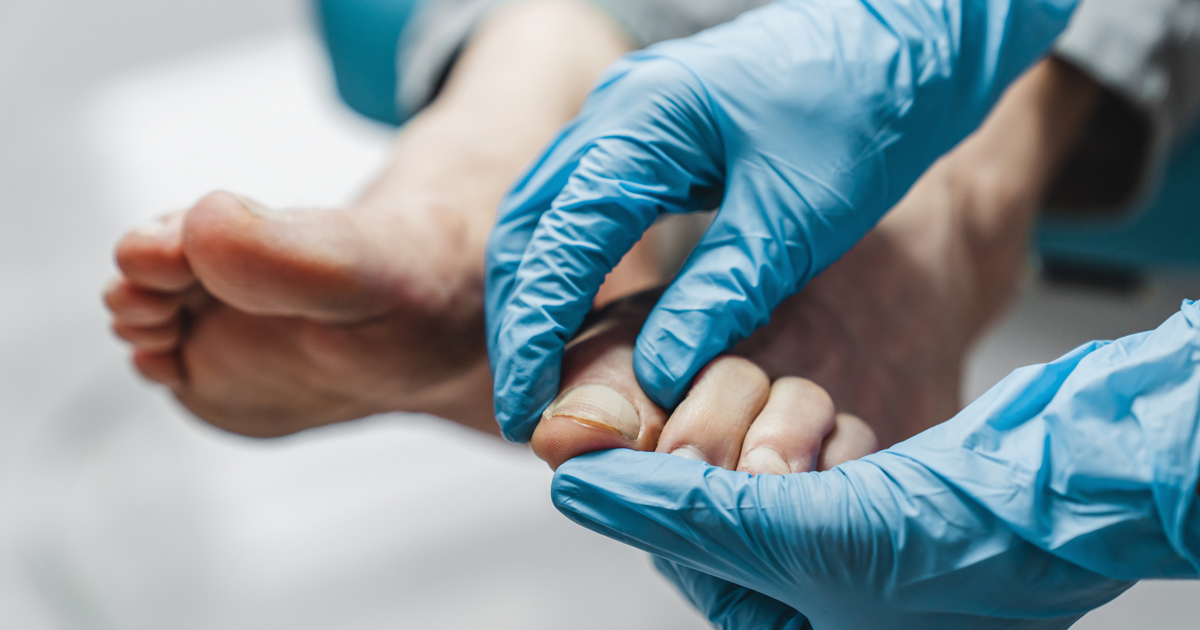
<point>267,322</point>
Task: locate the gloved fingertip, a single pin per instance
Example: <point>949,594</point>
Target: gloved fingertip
<point>516,433</point>
<point>516,427</point>
<point>665,389</point>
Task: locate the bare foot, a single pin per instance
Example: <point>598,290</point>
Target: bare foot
<point>267,322</point>
<point>732,417</point>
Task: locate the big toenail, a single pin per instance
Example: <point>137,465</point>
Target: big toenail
<point>257,209</point>
<point>597,406</point>
<point>764,461</point>
<point>690,452</point>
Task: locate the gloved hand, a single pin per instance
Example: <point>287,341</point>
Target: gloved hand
<point>1044,499</point>
<point>804,120</point>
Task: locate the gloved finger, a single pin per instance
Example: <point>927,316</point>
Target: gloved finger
<point>620,185</point>
<point>750,259</point>
<point>775,534</point>
<point>710,423</point>
<point>550,292</point>
<point>727,605</point>
<point>788,435</point>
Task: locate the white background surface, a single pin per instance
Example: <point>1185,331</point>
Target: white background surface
<point>117,511</point>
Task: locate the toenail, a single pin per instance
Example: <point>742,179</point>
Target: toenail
<point>764,461</point>
<point>257,209</point>
<point>598,406</point>
<point>690,452</point>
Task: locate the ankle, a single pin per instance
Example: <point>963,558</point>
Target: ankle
<point>996,214</point>
<point>1003,172</point>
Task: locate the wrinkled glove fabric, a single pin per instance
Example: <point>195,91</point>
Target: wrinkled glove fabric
<point>803,121</point>
<point>1045,498</point>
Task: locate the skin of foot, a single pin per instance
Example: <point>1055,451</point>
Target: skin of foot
<point>881,335</point>
<point>266,322</point>
<point>886,329</point>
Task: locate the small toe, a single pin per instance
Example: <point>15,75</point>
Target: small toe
<point>133,305</point>
<point>151,339</point>
<point>788,435</point>
<point>712,421</point>
<point>851,439</point>
<point>151,256</point>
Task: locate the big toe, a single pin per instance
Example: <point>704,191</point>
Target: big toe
<point>600,405</point>
<point>317,264</point>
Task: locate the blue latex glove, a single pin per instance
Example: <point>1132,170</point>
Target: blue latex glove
<point>804,120</point>
<point>1042,500</point>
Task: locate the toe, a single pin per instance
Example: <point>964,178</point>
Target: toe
<point>132,305</point>
<point>601,405</point>
<point>151,339</point>
<point>788,435</point>
<point>851,439</point>
<point>151,256</point>
<point>712,421</point>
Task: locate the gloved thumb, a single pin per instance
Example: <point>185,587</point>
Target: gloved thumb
<point>768,533</point>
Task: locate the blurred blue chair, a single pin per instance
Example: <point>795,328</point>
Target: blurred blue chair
<point>362,38</point>
<point>1165,233</point>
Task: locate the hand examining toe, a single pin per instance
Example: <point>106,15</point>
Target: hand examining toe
<point>1045,498</point>
<point>733,416</point>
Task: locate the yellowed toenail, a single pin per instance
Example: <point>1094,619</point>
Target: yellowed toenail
<point>764,461</point>
<point>598,406</point>
<point>257,209</point>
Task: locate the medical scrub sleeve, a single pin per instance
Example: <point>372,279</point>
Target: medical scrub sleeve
<point>440,29</point>
<point>1044,499</point>
<point>1146,53</point>
<point>804,121</point>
